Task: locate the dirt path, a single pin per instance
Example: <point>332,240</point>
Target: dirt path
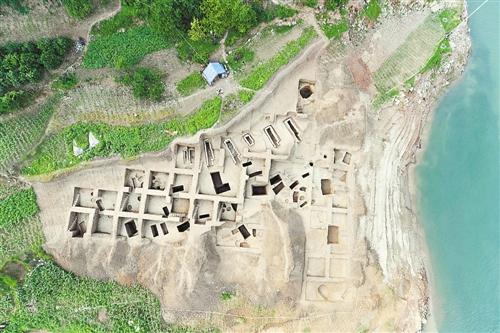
<point>102,17</point>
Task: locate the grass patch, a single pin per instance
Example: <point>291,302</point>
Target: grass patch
<point>123,49</point>
<point>336,30</point>
<point>262,73</point>
<point>449,18</point>
<point>65,82</point>
<point>17,207</point>
<point>245,96</point>
<point>234,102</point>
<point>124,19</point>
<point>226,295</point>
<point>310,3</point>
<point>19,134</point>
<point>384,97</point>
<point>410,83</point>
<point>372,10</point>
<point>56,151</point>
<point>435,60</point>
<point>240,57</point>
<point>190,84</point>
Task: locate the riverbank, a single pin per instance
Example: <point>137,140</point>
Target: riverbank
<point>457,197</point>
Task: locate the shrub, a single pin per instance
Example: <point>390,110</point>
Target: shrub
<point>11,101</point>
<point>372,10</point>
<point>335,30</point>
<point>434,61</point>
<point>79,9</point>
<point>190,84</point>
<point>65,82</point>
<point>146,83</point>
<point>310,3</point>
<point>53,51</point>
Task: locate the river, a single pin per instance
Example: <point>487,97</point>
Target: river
<point>459,185</point>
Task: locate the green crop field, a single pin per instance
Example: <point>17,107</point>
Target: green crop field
<point>190,84</point>
<point>22,132</point>
<point>123,49</point>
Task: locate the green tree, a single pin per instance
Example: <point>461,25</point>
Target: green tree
<point>171,17</point>
<point>53,51</point>
<point>219,16</point>
<point>334,4</point>
<point>145,82</point>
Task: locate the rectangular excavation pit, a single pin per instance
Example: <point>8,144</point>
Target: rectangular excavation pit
<point>183,226</point>
<point>233,151</point>
<point>272,135</point>
<point>155,204</point>
<point>78,224</point>
<point>180,206</point>
<point>248,139</point>
<point>259,190</point>
<point>108,199</point>
<point>202,211</point>
<point>127,227</point>
<point>277,189</point>
<point>219,186</point>
<point>347,158</point>
<point>293,128</point>
<point>130,202</point>
<point>151,229</point>
<point>182,183</point>
<point>103,225</point>
<point>333,234</point>
<point>338,155</point>
<point>134,178</point>
<point>83,197</point>
<point>326,187</point>
<point>316,267</point>
<point>340,200</point>
<point>227,212</point>
<point>163,227</point>
<point>209,152</point>
<point>244,231</point>
<point>158,180</point>
<point>184,156</point>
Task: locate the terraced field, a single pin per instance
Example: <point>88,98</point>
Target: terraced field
<point>107,103</point>
<point>410,56</point>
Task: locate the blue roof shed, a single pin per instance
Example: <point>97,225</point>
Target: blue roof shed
<point>213,71</point>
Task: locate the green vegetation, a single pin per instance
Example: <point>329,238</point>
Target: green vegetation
<point>310,3</point>
<point>262,73</point>
<point>56,151</point>
<point>79,9</point>
<point>17,207</point>
<point>146,83</point>
<point>449,18</point>
<point>434,62</point>
<point>335,30</point>
<point>123,49</point>
<point>233,103</point>
<point>219,16</point>
<point>334,4</point>
<point>67,303</point>
<point>245,96</point>
<point>384,97</point>
<point>196,51</point>
<point>19,134</point>
<point>410,83</point>
<point>239,57</point>
<point>124,19</point>
<point>65,82</point>
<point>226,295</point>
<point>24,63</point>
<point>17,5</point>
<point>372,10</point>
<point>279,11</point>
<point>190,84</point>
